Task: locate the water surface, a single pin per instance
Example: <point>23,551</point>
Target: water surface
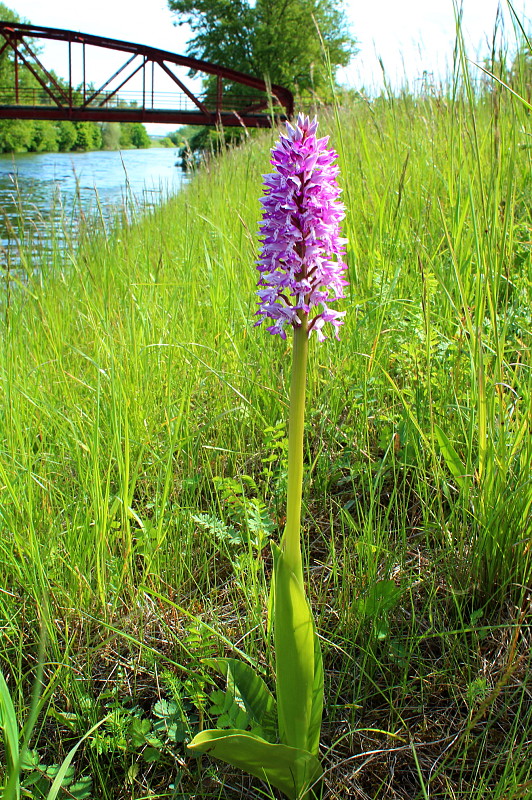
<point>50,195</point>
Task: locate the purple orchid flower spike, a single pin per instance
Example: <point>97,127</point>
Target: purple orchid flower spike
<point>301,260</point>
<point>301,272</point>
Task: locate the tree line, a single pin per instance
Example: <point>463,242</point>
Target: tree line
<point>37,136</point>
<point>63,136</point>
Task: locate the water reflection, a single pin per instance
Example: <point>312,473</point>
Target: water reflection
<point>46,197</point>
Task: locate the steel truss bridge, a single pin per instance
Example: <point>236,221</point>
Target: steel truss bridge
<point>132,92</point>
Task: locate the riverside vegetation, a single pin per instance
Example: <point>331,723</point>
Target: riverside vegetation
<point>144,459</point>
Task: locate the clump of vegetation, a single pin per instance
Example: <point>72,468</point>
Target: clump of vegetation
<point>197,142</point>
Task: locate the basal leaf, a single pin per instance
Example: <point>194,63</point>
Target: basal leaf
<point>380,598</point>
<point>138,730</point>
<point>165,708</point>
<point>289,769</point>
<point>298,661</point>
<point>30,759</point>
<point>314,730</point>
<point>151,754</point>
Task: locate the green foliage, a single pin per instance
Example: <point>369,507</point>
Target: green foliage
<point>131,377</point>
<point>38,136</point>
<point>209,141</point>
<point>246,525</point>
<point>133,134</point>
<point>377,604</point>
<point>88,136</point>
<point>45,137</point>
<point>289,769</point>
<point>247,711</point>
<point>246,702</point>
<point>9,728</point>
<point>16,135</point>
<point>299,667</point>
<point>277,39</point>
<point>6,60</point>
<point>67,135</point>
<point>179,136</point>
<point>246,510</point>
<point>291,766</point>
<point>7,14</point>
<point>38,779</point>
<point>26,775</point>
<point>111,135</point>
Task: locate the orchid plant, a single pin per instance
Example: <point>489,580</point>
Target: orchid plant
<point>302,270</point>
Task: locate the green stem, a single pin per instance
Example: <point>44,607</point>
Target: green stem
<point>291,538</point>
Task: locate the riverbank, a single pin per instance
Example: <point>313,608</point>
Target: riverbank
<point>144,468</point>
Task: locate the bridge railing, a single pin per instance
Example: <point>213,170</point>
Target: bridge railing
<point>36,96</point>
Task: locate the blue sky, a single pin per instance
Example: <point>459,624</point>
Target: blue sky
<point>411,36</point>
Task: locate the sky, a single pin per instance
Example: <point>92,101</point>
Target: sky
<point>412,37</point>
<point>416,36</point>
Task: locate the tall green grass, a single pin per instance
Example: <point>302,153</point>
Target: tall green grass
<point>143,458</point>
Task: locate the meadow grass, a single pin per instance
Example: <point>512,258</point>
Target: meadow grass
<point>143,469</point>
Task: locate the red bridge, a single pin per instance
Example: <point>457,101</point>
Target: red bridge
<point>132,92</point>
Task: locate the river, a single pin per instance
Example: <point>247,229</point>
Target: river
<point>51,194</point>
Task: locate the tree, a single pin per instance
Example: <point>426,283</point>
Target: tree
<point>277,39</point>
<point>6,58</point>
<point>89,136</point>
<point>67,135</point>
<point>133,134</point>
<point>111,135</point>
<point>16,135</point>
<point>139,135</point>
<point>45,137</point>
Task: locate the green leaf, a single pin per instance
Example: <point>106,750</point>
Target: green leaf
<point>451,458</point>
<point>380,598</point>
<point>151,754</point>
<point>165,708</point>
<point>314,729</point>
<point>32,779</point>
<point>138,731</point>
<point>249,692</point>
<point>8,724</point>
<point>30,759</point>
<point>170,720</point>
<point>230,713</point>
<point>289,769</point>
<point>52,770</point>
<point>82,788</point>
<point>298,660</point>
